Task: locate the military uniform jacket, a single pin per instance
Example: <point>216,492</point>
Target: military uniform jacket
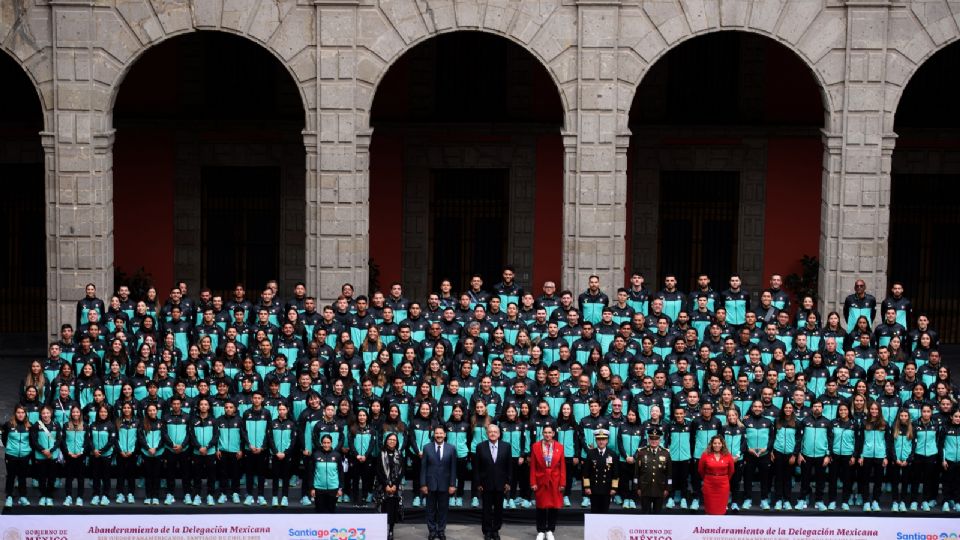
<point>652,471</point>
<point>601,473</point>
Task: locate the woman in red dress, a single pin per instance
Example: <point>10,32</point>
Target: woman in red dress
<point>548,475</point>
<point>716,469</point>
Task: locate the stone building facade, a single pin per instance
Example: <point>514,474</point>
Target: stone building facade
<point>862,54</point>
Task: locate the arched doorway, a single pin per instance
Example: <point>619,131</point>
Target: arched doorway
<point>209,166</point>
<point>924,218</point>
<point>725,162</point>
<point>23,244</point>
<point>466,171</point>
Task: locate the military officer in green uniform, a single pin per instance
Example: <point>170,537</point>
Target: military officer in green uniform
<point>652,472</point>
<point>600,474</point>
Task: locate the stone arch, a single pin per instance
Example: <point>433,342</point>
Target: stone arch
<point>915,36</point>
<point>818,72</point>
<point>288,36</point>
<point>31,67</point>
<point>914,67</point>
<point>397,27</point>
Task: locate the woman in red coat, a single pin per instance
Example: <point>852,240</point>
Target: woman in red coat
<point>716,469</point>
<point>548,475</point>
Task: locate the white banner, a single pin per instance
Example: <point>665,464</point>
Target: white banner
<point>773,527</point>
<point>194,527</point>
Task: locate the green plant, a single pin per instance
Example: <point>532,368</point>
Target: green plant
<point>138,283</point>
<point>805,283</point>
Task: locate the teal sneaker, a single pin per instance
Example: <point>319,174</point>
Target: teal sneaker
<point>262,501</point>
<point>210,501</point>
<point>222,499</point>
<point>695,504</point>
<point>284,502</point>
<point>188,500</point>
<point>670,503</point>
<point>274,501</point>
<point>248,501</point>
<point>68,501</point>
<point>78,501</point>
<point>235,498</point>
<point>875,506</point>
<point>130,499</point>
<point>566,502</point>
<point>305,500</point>
<point>169,499</point>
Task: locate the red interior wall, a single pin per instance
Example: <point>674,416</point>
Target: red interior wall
<point>548,212</point>
<point>792,214</point>
<point>386,194</point>
<point>143,204</point>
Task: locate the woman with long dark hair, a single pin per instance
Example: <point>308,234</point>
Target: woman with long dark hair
<point>389,470</point>
<point>716,468</point>
<point>548,473</point>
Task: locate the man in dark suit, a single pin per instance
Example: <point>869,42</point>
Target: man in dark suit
<point>492,470</point>
<point>438,476</point>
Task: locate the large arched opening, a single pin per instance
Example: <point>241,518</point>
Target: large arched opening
<point>924,217</point>
<point>23,244</point>
<point>209,177</point>
<point>726,161</point>
<point>466,165</point>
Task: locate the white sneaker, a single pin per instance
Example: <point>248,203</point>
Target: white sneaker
<point>550,535</point>
<point>541,536</point>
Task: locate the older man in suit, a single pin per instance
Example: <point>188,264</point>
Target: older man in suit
<point>492,470</point>
<point>438,478</point>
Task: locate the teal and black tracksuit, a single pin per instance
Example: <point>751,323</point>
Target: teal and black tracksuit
<point>326,478</point>
<point>950,444</point>
<point>283,440</point>
<point>45,438</point>
<point>843,449</point>
<point>758,432</point>
<point>229,444</point>
<point>177,462</point>
<point>679,441</point>
<point>16,440</point>
<point>786,444</point>
<point>927,460</point>
<point>255,432</point>
<point>816,442</point>
<point>101,437</point>
<point>361,442</point>
<point>203,435</point>
<point>74,441</point>
<point>876,445</point>
<point>152,435</point>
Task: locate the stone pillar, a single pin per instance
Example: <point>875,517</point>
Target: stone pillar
<point>855,211</point>
<point>595,161</point>
<point>338,207</point>
<point>79,163</point>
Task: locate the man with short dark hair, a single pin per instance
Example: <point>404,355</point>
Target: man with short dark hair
<point>438,481</point>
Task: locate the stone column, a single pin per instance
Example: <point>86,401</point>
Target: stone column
<point>338,205</point>
<point>595,161</point>
<point>855,211</point>
<point>79,163</point>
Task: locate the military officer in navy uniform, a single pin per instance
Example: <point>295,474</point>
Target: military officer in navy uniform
<point>600,474</point>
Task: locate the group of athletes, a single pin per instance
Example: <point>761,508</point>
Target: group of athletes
<point>208,399</point>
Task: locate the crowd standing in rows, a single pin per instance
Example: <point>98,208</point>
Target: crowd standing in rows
<point>194,397</point>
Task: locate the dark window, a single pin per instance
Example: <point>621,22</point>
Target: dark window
<point>469,213</point>
<point>698,224</point>
<point>241,226</point>
<point>23,245</point>
<point>924,227</point>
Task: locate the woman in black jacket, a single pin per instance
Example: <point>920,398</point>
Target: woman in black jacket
<point>390,470</point>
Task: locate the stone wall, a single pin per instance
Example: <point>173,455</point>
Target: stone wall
<point>862,52</point>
